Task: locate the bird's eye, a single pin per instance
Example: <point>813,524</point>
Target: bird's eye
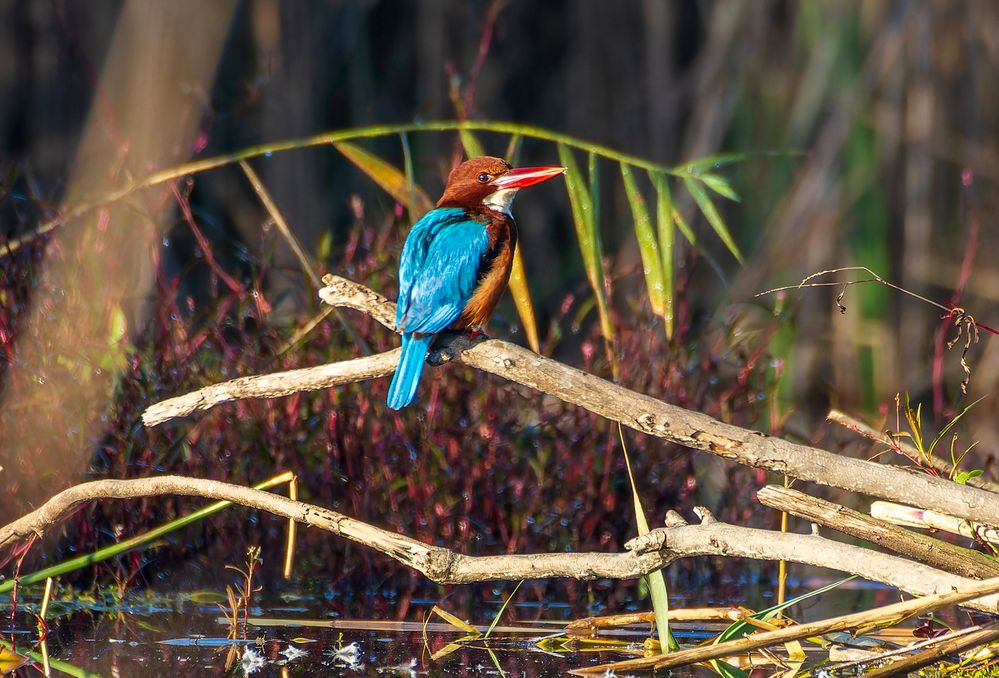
<point>484,178</point>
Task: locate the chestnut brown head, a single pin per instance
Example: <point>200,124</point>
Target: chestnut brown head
<point>491,182</point>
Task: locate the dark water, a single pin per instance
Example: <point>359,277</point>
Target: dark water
<point>186,634</point>
<point>297,633</point>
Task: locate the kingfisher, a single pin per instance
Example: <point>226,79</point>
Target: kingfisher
<point>456,261</point>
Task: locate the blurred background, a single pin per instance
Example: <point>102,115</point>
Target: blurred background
<point>867,135</point>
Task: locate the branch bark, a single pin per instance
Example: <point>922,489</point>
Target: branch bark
<point>635,410</point>
<point>920,547</point>
<point>644,554</point>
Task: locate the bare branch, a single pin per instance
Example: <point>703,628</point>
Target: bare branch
<point>644,554</point>
<point>635,410</point>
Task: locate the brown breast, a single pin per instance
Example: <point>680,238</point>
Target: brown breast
<point>494,272</point>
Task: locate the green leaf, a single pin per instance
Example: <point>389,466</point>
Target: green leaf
<point>387,176</point>
<point>964,476</point>
<point>513,149</point>
<point>584,219</point>
<point>664,226</point>
<point>719,185</point>
<point>648,245</point>
<point>710,213</point>
<point>950,424</point>
<point>684,227</point>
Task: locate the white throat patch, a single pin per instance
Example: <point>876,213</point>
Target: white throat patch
<point>501,200</point>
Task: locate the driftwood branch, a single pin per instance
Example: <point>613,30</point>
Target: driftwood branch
<point>644,554</point>
<point>635,410</point>
<point>920,547</point>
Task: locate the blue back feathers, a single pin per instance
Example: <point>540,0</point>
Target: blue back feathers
<point>438,272</point>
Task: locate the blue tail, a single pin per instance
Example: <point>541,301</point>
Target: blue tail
<point>407,374</point>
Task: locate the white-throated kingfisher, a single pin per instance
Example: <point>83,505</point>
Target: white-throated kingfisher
<point>456,261</point>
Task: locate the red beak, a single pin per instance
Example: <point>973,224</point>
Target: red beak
<point>522,177</point>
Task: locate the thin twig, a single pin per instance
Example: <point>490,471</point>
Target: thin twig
<point>806,282</point>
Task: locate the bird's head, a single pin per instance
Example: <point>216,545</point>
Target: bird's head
<point>491,182</point>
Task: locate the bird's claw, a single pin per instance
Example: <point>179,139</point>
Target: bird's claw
<point>452,343</point>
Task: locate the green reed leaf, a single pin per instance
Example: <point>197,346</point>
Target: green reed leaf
<point>720,185</point>
<point>710,213</point>
<point>648,245</point>
<point>655,580</point>
<point>584,219</point>
<point>664,227</point>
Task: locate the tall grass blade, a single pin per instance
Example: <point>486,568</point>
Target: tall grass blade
<point>502,609</point>
<point>685,230</point>
<point>391,179</point>
<point>583,219</point>
<point>655,580</point>
<point>664,227</point>
<point>512,154</point>
<point>136,541</point>
<point>648,244</point>
<point>454,621</point>
<point>352,134</point>
<point>8,652</point>
<point>710,213</point>
<point>407,164</point>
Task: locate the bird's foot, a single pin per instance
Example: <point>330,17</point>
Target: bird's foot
<point>451,343</point>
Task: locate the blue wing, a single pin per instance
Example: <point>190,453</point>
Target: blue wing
<point>439,269</point>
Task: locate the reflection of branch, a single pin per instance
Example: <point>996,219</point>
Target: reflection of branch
<point>645,554</point>
<point>635,410</point>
